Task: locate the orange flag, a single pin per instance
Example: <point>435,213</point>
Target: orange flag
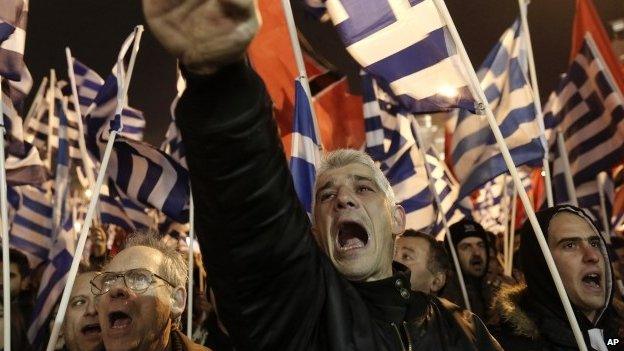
<point>586,19</point>
<point>339,113</point>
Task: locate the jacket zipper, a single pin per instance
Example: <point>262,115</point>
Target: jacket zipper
<point>409,338</point>
<point>398,333</point>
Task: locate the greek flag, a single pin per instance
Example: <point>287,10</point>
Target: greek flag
<point>52,284</point>
<point>63,163</point>
<point>588,111</point>
<point>475,155</point>
<point>306,155</point>
<point>172,145</point>
<point>31,222</point>
<point>406,46</point>
<point>150,177</point>
<point>13,19</point>
<point>116,208</point>
<point>88,84</point>
<point>447,190</point>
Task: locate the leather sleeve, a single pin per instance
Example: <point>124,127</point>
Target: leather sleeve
<point>261,259</point>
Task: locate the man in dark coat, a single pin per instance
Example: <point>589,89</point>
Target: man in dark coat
<point>532,315</point>
<point>278,286</point>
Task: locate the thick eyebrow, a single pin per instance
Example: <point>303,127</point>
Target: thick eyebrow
<point>329,184</point>
<point>406,248</point>
<point>577,239</point>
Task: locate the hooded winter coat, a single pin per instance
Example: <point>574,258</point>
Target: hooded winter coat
<point>276,290</point>
<point>532,315</point>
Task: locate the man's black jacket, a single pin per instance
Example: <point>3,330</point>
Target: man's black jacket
<point>275,290</point>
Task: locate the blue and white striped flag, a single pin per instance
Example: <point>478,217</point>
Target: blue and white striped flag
<point>447,189</point>
<point>52,283</point>
<point>406,46</point>
<point>475,156</point>
<point>88,84</point>
<point>13,19</point>
<point>492,204</point>
<point>306,154</point>
<point>63,164</point>
<point>31,222</point>
<point>588,110</point>
<point>116,208</point>
<point>173,144</point>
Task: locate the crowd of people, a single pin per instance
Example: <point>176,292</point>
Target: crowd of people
<point>351,277</point>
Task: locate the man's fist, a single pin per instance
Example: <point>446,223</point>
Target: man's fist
<point>203,34</point>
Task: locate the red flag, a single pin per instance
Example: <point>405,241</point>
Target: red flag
<point>339,113</point>
<point>586,20</point>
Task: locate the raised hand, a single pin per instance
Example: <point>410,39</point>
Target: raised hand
<point>203,34</point>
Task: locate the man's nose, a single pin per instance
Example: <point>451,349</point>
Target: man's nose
<point>91,311</point>
<point>118,290</point>
<point>591,254</point>
<point>345,199</point>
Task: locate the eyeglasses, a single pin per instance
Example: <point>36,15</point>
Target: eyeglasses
<point>137,280</point>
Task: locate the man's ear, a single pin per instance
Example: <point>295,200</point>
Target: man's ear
<point>178,302</point>
<point>439,280</point>
<point>398,220</point>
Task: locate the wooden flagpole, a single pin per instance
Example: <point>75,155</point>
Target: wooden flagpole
<point>39,96</point>
<point>95,190</point>
<point>51,96</point>
<point>4,218</point>
<point>512,233</point>
<point>189,301</point>
<point>477,92</point>
<point>601,180</point>
<point>567,172</point>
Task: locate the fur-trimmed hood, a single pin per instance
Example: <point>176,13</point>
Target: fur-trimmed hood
<point>507,305</point>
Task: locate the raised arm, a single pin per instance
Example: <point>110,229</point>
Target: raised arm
<point>254,234</point>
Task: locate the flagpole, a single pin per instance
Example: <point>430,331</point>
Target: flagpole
<point>436,197</point>
<point>303,76</point>
<point>512,233</point>
<point>6,267</point>
<point>95,190</point>
<point>36,101</point>
<point>477,91</point>
<point>567,172</point>
<point>51,96</point>
<point>189,306</point>
<point>506,221</point>
<point>86,161</point>
<point>600,182</point>
<point>537,100</point>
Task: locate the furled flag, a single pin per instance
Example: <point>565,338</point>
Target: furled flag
<point>587,109</point>
<point>63,165</point>
<point>173,145</point>
<point>476,157</point>
<point>406,46</point>
<point>31,222</point>
<point>447,189</point>
<point>52,283</point>
<point>13,19</point>
<point>306,155</point>
<point>492,204</point>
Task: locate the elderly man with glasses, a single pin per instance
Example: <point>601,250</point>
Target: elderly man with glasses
<point>140,297</point>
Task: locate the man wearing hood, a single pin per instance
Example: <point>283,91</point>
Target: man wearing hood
<point>472,247</point>
<point>532,315</point>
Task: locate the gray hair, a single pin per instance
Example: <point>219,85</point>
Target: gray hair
<point>173,268</point>
<point>344,157</point>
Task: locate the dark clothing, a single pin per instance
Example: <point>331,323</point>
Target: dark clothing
<point>179,342</point>
<point>480,293</point>
<point>275,288</point>
<point>532,316</point>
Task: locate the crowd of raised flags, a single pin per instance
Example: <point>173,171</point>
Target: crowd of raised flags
<point>410,67</point>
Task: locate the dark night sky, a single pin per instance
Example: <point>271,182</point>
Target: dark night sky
<point>95,29</point>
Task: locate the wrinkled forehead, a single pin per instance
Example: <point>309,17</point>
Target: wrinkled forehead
<point>412,243</point>
<point>471,240</point>
<point>350,173</point>
<point>82,285</point>
<point>136,257</point>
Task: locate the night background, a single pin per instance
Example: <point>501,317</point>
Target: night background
<point>95,29</point>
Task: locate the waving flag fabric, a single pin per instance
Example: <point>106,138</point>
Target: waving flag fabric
<point>13,19</point>
<point>31,222</point>
<point>406,46</point>
<point>306,155</point>
<point>588,111</point>
<point>173,144</point>
<point>476,157</point>
<point>88,84</point>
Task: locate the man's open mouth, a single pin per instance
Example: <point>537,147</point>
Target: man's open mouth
<point>592,280</point>
<point>476,261</point>
<point>351,235</point>
<point>119,320</point>
<point>91,329</point>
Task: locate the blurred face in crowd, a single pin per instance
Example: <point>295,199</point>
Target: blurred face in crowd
<point>575,247</point>
<point>81,328</point>
<point>18,283</point>
<point>98,241</point>
<point>354,222</point>
<point>415,254</point>
<point>138,320</point>
<point>471,253</point>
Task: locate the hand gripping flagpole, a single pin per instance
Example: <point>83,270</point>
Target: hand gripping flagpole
<point>537,100</point>
<point>189,301</point>
<point>436,198</point>
<point>95,191</point>
<point>477,91</point>
<point>303,76</point>
<point>4,218</point>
